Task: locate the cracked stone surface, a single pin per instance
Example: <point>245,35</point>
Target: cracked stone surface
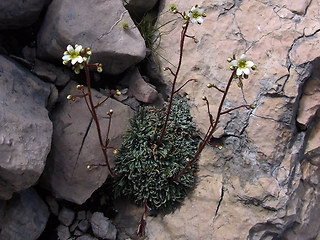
<point>263,183</point>
<point>75,145</point>
<point>91,24</point>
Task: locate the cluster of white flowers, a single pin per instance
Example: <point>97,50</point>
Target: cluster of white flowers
<point>242,66</point>
<point>72,55</point>
<point>76,57</point>
<point>196,14</point>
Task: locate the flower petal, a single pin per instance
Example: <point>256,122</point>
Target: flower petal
<point>243,57</point>
<point>193,20</point>
<point>79,59</point>
<point>193,9</point>
<point>70,48</point>
<point>249,64</point>
<point>200,20</point>
<point>74,61</point>
<point>234,63</point>
<point>78,48</point>
<point>239,71</point>
<point>246,71</point>
<point>66,58</point>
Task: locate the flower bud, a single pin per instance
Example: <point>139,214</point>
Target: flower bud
<point>220,147</point>
<point>254,67</point>
<point>111,111</point>
<point>209,85</point>
<point>118,93</point>
<point>252,106</point>
<point>77,70</point>
<point>89,166</point>
<point>188,159</point>
<point>115,151</point>
<point>184,25</point>
<point>79,87</point>
<point>204,98</point>
<point>196,40</point>
<point>232,68</point>
<point>229,59</point>
<point>89,52</point>
<point>65,62</point>
<point>240,84</point>
<point>204,15</point>
<point>99,69</point>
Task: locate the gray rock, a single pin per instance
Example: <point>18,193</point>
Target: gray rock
<point>102,226</point>
<point>81,215</point>
<point>66,216</point>
<point>76,145</point>
<point>53,205</point>
<point>60,76</point>
<point>140,89</point>
<point>84,225</point>
<point>25,128</point>
<point>63,232</point>
<point>18,14</point>
<point>100,28</point>
<point>86,237</point>
<point>25,217</point>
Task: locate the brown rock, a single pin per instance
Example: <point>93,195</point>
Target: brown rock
<point>258,167</point>
<point>140,89</point>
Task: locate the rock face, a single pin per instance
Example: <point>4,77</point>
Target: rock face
<point>25,128</point>
<point>102,227</point>
<point>18,14</point>
<point>25,216</point>
<point>140,89</point>
<point>138,8</point>
<point>75,145</point>
<point>263,183</point>
<point>92,24</point>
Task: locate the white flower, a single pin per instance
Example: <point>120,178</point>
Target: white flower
<point>196,14</point>
<point>72,55</point>
<point>242,65</point>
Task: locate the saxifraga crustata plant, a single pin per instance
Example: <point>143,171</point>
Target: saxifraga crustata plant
<point>157,160</point>
<point>156,166</point>
<point>78,58</point>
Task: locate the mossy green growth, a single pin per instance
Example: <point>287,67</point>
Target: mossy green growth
<point>147,170</point>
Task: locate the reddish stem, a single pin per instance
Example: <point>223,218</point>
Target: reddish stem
<point>92,109</point>
<point>193,79</point>
<point>163,131</point>
<point>210,130</point>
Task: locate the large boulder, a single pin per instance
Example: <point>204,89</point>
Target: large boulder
<point>92,24</point>
<point>25,128</point>
<point>75,145</point>
<point>18,14</point>
<point>25,216</point>
<point>263,183</point>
